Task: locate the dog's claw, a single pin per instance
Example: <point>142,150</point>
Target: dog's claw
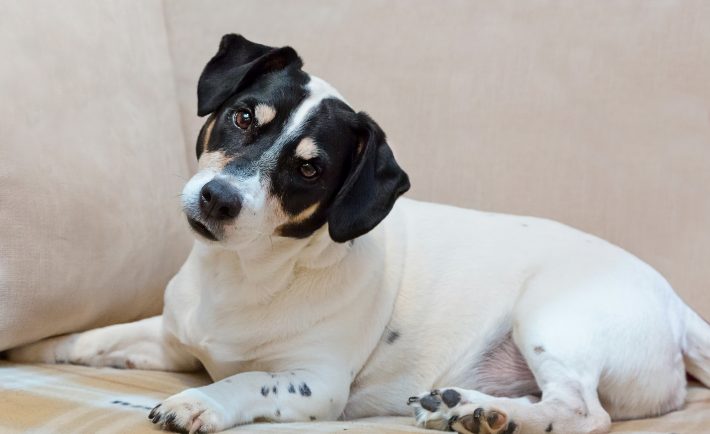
<point>153,412</point>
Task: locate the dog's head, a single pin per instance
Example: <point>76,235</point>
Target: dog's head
<point>282,154</point>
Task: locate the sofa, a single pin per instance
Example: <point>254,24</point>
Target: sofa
<point>596,114</point>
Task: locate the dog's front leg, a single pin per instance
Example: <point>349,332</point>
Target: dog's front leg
<point>297,395</point>
<point>137,345</point>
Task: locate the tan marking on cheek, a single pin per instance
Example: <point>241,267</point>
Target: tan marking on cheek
<point>307,149</point>
<point>305,214</point>
<point>264,113</point>
<point>213,160</point>
<point>208,132</point>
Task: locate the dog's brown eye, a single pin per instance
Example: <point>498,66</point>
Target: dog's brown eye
<point>308,171</point>
<point>242,119</point>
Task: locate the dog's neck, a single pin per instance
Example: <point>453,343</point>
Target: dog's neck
<point>267,265</point>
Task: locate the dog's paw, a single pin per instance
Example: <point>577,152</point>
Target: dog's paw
<point>190,411</point>
<point>447,410</point>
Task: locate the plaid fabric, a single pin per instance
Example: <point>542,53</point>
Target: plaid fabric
<point>76,399</point>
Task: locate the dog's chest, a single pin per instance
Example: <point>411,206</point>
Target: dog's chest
<point>223,326</point>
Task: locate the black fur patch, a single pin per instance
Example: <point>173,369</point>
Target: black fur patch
<point>291,389</point>
<point>450,397</point>
<point>304,390</point>
<point>392,336</point>
<point>264,390</point>
<point>512,426</point>
<point>549,428</point>
<point>430,403</point>
<point>312,418</point>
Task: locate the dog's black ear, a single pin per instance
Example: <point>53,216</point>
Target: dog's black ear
<point>369,191</point>
<point>237,62</point>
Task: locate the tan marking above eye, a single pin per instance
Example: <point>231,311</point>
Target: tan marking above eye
<point>307,149</point>
<point>213,160</point>
<point>305,214</point>
<point>264,113</point>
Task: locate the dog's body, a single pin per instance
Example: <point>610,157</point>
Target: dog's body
<point>315,310</point>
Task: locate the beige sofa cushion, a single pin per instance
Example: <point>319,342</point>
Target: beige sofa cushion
<point>596,114</point>
<point>77,399</point>
<point>92,164</point>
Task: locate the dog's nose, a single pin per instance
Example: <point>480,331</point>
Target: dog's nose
<point>219,200</point>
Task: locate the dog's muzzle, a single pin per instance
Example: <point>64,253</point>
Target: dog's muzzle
<point>219,202</point>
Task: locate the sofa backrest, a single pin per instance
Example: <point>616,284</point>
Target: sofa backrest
<point>92,162</point>
<point>596,114</point>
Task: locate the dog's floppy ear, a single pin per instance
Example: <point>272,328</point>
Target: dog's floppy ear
<point>237,62</point>
<point>373,185</point>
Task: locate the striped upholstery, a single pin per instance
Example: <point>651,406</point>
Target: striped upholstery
<point>77,399</point>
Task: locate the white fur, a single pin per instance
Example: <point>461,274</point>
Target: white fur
<point>263,312</point>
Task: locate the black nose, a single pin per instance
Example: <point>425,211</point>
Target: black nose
<point>219,200</point>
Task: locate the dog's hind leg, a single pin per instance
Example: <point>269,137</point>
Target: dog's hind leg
<point>601,345</point>
<point>137,345</point>
<point>569,405</point>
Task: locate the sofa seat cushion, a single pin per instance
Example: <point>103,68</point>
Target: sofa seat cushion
<point>77,399</point>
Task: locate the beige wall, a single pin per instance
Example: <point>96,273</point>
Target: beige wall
<point>593,113</point>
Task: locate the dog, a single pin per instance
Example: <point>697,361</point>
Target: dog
<point>314,292</point>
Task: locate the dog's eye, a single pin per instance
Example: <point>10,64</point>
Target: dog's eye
<point>242,119</point>
<point>308,171</point>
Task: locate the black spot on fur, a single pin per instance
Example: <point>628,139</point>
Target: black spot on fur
<point>549,428</point>
<point>291,389</point>
<point>275,390</point>
<point>392,336</point>
<point>264,390</point>
<point>304,390</point>
<point>539,349</point>
<point>430,403</point>
<point>450,397</point>
<point>312,418</point>
<point>512,426</point>
<point>278,413</point>
<point>170,422</point>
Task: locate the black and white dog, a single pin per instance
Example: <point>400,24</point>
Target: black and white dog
<point>310,295</point>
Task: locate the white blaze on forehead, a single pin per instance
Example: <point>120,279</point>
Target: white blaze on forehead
<point>307,149</point>
<point>318,90</point>
<point>264,113</point>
